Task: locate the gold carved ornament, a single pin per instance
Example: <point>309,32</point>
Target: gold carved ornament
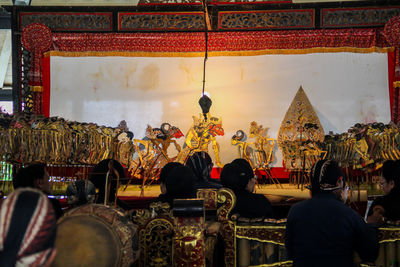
<point>200,135</point>
<point>189,242</point>
<point>301,131</point>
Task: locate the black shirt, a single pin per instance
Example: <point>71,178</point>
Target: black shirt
<point>323,231</point>
<point>391,205</point>
<point>250,205</point>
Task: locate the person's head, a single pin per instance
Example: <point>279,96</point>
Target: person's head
<point>28,229</point>
<point>98,177</point>
<point>165,172</point>
<point>248,170</point>
<point>390,176</point>
<point>326,176</point>
<point>34,176</point>
<point>199,166</point>
<point>238,177</point>
<point>209,162</point>
<point>179,183</point>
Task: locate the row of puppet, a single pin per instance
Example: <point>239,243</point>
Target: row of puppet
<point>26,139</point>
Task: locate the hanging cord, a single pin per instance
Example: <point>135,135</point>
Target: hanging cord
<point>206,42</point>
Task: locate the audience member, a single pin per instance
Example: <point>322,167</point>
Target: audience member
<point>27,229</point>
<point>179,184</point>
<point>388,205</point>
<point>239,177</point>
<point>98,178</point>
<point>198,164</point>
<point>165,171</point>
<point>36,176</point>
<point>323,231</point>
<point>80,192</point>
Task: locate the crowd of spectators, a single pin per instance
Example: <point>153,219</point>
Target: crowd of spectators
<point>320,231</point>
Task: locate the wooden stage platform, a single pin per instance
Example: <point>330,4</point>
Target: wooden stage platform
<point>286,194</point>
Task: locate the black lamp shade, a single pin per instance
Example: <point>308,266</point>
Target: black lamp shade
<point>205,104</point>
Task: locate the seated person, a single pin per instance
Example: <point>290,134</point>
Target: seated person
<point>163,176</point>
<point>388,205</point>
<point>28,229</point>
<point>179,184</point>
<point>98,178</point>
<point>198,164</point>
<point>239,177</point>
<point>210,166</point>
<point>36,176</point>
<point>80,192</point>
<point>323,231</point>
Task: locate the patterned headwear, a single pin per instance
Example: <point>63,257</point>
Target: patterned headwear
<point>327,174</point>
<point>27,229</point>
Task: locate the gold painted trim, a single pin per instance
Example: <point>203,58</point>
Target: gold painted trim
<point>260,240</point>
<point>221,53</point>
<point>260,227</point>
<point>389,228</point>
<point>37,89</point>
<point>272,264</point>
<point>396,84</point>
<point>234,242</point>
<point>389,240</point>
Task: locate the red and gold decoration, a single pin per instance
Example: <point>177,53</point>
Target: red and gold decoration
<point>189,242</point>
<point>392,34</point>
<point>37,39</point>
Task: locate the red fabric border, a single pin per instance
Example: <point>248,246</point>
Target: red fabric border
<point>46,86</point>
<point>219,41</point>
<point>391,67</point>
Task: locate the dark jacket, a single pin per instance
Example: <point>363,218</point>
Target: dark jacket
<point>391,204</point>
<point>323,231</point>
<point>250,205</point>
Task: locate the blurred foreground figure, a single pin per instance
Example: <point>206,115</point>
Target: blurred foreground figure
<point>36,176</point>
<point>323,231</point>
<point>27,229</point>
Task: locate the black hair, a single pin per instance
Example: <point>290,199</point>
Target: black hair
<point>167,169</point>
<point>180,183</point>
<point>207,158</point>
<point>129,134</point>
<point>98,178</point>
<point>245,165</point>
<point>198,164</point>
<point>391,172</point>
<point>236,176</point>
<point>26,177</point>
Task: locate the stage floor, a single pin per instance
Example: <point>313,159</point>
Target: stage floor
<point>286,193</point>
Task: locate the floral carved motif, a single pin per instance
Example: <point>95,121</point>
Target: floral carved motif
<point>143,21</point>
<point>266,19</point>
<point>357,17</point>
<point>69,21</point>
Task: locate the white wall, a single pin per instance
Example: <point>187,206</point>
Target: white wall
<point>344,88</point>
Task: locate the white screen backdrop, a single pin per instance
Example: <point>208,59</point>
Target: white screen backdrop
<point>344,88</point>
